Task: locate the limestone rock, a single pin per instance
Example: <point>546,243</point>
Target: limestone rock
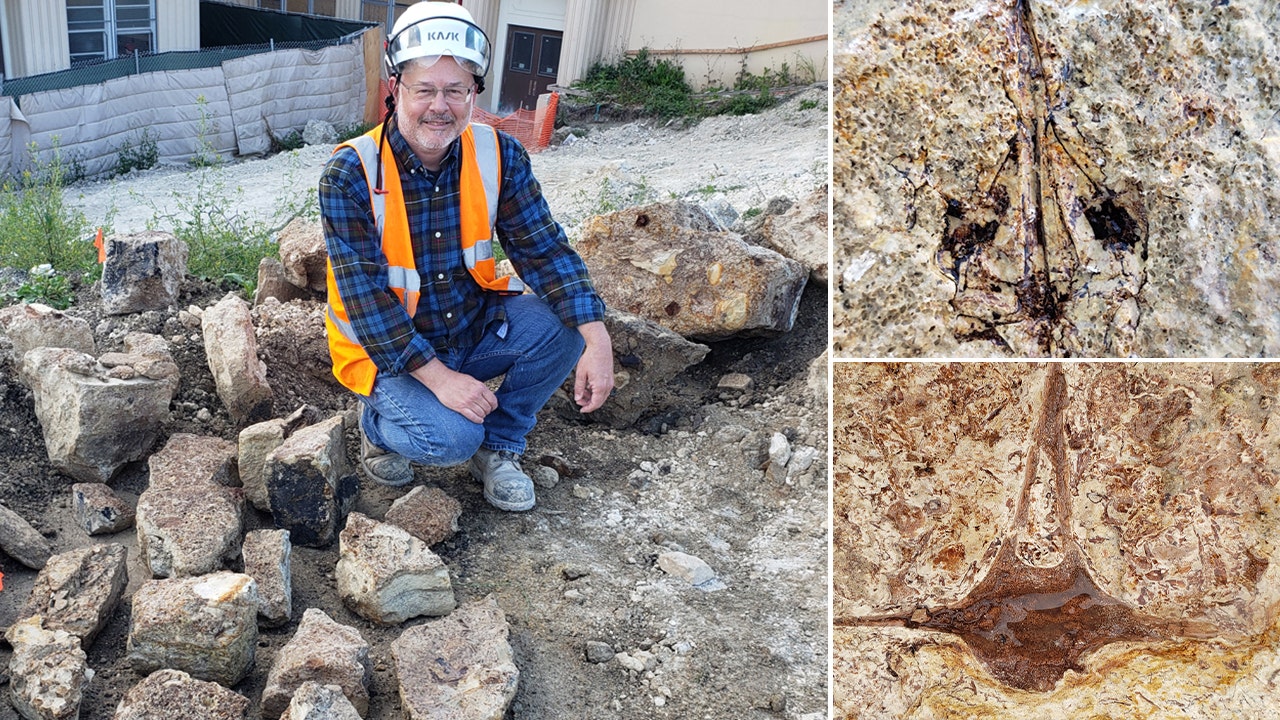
<point>142,272</point>
<point>273,284</point>
<point>232,351</point>
<point>388,576</point>
<point>668,263</point>
<point>314,701</point>
<point>303,253</point>
<point>78,590</point>
<point>254,444</point>
<point>22,542</point>
<point>99,510</point>
<point>206,626</point>
<point>324,652</point>
<point>428,514</point>
<point>175,695</point>
<point>267,559</point>
<point>319,132</point>
<point>481,677</point>
<point>310,483</point>
<point>152,356</point>
<point>33,325</point>
<point>47,672</point>
<point>188,522</point>
<point>187,458</point>
<point>292,339</point>
<point>800,233</point>
<point>258,441</point>
<point>1127,497</point>
<point>93,424</point>
<point>968,138</point>
<point>690,568</point>
<point>646,356</point>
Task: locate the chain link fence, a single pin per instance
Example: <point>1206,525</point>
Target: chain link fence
<point>99,71</point>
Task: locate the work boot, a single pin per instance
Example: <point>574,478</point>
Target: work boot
<point>506,487</point>
<point>383,466</point>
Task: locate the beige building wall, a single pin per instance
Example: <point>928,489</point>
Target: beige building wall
<point>177,25</point>
<point>35,37</point>
<point>707,37</point>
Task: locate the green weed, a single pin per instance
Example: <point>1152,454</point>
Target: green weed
<point>226,245</point>
<point>206,155</point>
<point>142,156</point>
<point>37,227</point>
<point>45,285</point>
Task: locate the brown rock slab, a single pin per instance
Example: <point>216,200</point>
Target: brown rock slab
<point>324,652</point>
<point>205,626</point>
<point>459,667</point>
<point>30,326</point>
<point>428,513</point>
<point>78,590</point>
<point>175,695</point>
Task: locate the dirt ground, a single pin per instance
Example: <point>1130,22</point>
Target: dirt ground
<point>582,565</point>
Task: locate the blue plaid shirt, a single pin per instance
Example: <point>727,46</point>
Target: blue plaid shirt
<point>453,311</point>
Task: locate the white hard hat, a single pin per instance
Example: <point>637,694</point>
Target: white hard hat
<point>429,30</point>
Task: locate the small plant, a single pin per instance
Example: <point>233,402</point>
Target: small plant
<point>291,141</point>
<point>142,156</point>
<point>37,227</point>
<point>206,155</point>
<point>226,245</point>
<point>355,129</point>
<point>45,285</point>
<point>611,197</point>
<point>808,104</point>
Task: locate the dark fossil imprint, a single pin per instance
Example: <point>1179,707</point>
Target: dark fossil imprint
<point>1050,259</point>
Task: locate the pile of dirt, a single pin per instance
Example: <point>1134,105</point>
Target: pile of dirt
<point>582,565</point>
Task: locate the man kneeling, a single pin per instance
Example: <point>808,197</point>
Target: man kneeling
<point>417,319</point>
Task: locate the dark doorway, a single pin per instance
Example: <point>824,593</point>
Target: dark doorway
<point>533,61</point>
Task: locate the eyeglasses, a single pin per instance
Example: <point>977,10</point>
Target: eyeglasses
<point>426,94</point>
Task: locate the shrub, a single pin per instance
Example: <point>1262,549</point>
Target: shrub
<point>142,156</point>
<point>36,226</point>
<point>659,86</point>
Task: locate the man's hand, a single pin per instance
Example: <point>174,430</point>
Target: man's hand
<point>457,391</point>
<point>593,380</point>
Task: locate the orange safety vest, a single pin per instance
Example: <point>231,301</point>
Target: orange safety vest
<point>481,179</point>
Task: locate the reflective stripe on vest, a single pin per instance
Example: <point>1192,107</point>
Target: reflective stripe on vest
<point>480,183</point>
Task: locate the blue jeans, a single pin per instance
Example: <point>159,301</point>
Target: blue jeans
<point>539,351</point>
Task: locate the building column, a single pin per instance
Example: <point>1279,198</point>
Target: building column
<point>581,38</point>
<point>38,37</point>
<point>347,9</point>
<point>177,25</point>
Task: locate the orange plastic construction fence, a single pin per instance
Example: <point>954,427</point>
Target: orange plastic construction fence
<point>532,128</point>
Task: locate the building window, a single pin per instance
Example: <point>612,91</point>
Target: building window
<point>383,11</point>
<point>327,8</point>
<point>106,29</point>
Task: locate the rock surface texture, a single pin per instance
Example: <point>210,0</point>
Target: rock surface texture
<point>459,667</point>
<point>672,264</point>
<point>1051,178</point>
<point>1087,533</point>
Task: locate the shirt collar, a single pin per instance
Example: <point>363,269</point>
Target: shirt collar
<point>409,160</point>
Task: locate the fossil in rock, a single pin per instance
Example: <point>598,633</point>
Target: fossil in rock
<point>1049,260</point>
<point>1142,508</point>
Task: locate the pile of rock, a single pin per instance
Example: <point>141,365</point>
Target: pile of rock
<point>194,625</point>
